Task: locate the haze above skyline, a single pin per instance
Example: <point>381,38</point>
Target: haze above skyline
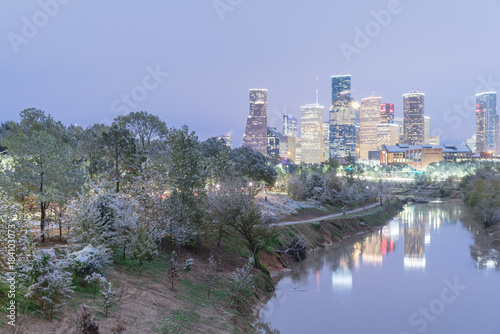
<point>86,56</point>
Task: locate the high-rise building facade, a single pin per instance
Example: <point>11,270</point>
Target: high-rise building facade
<point>427,129</point>
<point>369,118</point>
<point>290,126</point>
<point>480,128</point>
<point>400,122</point>
<point>342,127</point>
<point>413,112</point>
<point>341,85</point>
<point>487,123</point>
<point>256,127</point>
<point>326,141</point>
<point>387,134</point>
<point>387,113</point>
<point>311,133</point>
<point>273,142</point>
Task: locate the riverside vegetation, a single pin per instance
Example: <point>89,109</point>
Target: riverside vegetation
<point>142,228</point>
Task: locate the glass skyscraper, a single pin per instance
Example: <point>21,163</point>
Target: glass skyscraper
<point>487,123</point>
<point>413,112</point>
<point>341,84</point>
<point>342,127</point>
<point>290,126</point>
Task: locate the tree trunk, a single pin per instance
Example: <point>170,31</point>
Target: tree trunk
<point>42,222</point>
<point>220,236</point>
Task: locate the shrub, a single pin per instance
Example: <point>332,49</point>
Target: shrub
<point>89,260</point>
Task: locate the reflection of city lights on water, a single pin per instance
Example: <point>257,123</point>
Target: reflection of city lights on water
<point>342,280</point>
<point>414,263</point>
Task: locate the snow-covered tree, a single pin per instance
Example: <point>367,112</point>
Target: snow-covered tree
<point>48,281</point>
<point>107,293</point>
<point>241,284</point>
<point>90,260</point>
<point>103,218</point>
<point>15,244</point>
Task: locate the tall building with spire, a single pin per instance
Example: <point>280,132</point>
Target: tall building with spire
<point>341,84</point>
<point>311,133</point>
<point>256,127</point>
<point>487,135</point>
<point>369,118</point>
<point>413,114</point>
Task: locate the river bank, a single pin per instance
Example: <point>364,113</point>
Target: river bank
<point>323,234</point>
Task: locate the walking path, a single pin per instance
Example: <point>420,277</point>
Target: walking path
<point>335,215</point>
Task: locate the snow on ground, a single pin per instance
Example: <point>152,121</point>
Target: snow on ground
<point>279,206</point>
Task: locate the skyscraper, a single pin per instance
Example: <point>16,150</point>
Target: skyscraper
<point>273,142</point>
<point>413,113</point>
<point>256,128</point>
<point>290,126</point>
<point>341,84</point>
<point>427,129</point>
<point>400,122</point>
<point>369,118</point>
<point>387,134</point>
<point>311,133</point>
<point>387,113</point>
<point>487,123</point>
<point>342,127</point>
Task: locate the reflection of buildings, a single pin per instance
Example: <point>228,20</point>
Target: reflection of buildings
<point>414,239</point>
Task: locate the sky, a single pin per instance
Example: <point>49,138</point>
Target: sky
<point>193,62</point>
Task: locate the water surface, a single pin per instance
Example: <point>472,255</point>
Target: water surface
<point>430,270</point>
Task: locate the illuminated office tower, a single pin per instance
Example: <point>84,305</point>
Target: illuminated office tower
<point>427,124</point>
<point>369,118</point>
<point>341,85</point>
<point>290,126</point>
<point>387,134</point>
<point>256,128</point>
<point>387,113</point>
<point>342,125</point>
<point>487,123</point>
<point>413,112</point>
<point>311,133</point>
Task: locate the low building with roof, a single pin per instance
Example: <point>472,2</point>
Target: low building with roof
<point>421,156</point>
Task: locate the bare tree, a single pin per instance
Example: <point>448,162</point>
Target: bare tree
<point>85,323</point>
<point>233,205</point>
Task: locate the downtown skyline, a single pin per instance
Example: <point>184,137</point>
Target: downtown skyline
<point>76,71</point>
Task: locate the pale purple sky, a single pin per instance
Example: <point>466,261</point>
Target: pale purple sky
<point>84,55</point>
